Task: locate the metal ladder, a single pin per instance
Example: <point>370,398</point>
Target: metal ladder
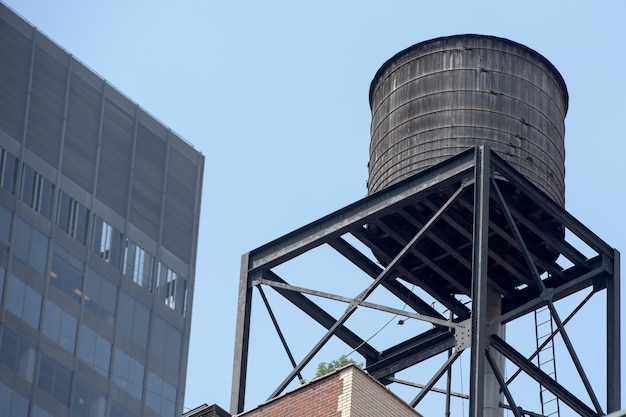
<point>544,327</point>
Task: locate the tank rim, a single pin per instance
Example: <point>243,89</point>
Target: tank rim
<point>386,64</point>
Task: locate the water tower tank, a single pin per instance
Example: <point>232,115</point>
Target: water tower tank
<point>442,96</point>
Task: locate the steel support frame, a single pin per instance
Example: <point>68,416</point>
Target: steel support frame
<point>477,166</point>
<point>480,251</point>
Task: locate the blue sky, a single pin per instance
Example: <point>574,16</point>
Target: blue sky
<point>274,94</point>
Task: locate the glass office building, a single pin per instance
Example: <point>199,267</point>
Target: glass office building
<point>99,211</point>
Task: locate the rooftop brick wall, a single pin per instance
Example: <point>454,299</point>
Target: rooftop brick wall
<point>348,392</point>
<point>369,398</point>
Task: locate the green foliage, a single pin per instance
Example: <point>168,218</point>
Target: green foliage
<point>325,368</point>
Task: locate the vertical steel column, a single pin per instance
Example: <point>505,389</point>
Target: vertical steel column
<point>242,336</point>
<point>613,338</point>
<point>479,280</point>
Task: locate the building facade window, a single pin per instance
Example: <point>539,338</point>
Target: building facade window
<point>118,410</point>
<point>66,272</point>
<point>95,350</point>
<point>54,379</point>
<point>8,170</point>
<point>100,296</point>
<point>59,326</point>
<point>165,343</point>
<point>5,228</point>
<point>133,320</point>
<point>23,301</point>
<point>88,401</point>
<point>160,396</point>
<point>30,246</point>
<point>2,271</point>
<point>81,189</point>
<point>11,402</point>
<point>37,191</point>
<point>138,265</point>
<point>171,288</point>
<point>107,242</point>
<point>73,217</point>
<point>128,373</point>
<point>38,412</point>
<point>17,354</point>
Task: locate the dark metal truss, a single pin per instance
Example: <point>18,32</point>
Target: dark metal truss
<point>469,223</point>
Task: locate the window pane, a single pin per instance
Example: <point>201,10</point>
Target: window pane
<point>11,402</point>
<point>133,321</point>
<point>32,307</point>
<point>60,326</point>
<point>100,296</point>
<point>28,178</point>
<point>82,221</point>
<point>1,283</point>
<point>165,343</point>
<point>88,401</point>
<point>140,324</point>
<point>63,217</point>
<point>86,344</point>
<point>181,295</point>
<point>38,251</point>
<point>21,240</point>
<point>67,333</point>
<point>31,246</point>
<point>128,373</point>
<point>118,410</point>
<point>107,242</point>
<point>17,354</point>
<point>54,379</point>
<point>47,196</point>
<point>8,173</point>
<point>23,301</point>
<point>52,321</point>
<point>5,399</point>
<point>38,412</point>
<point>174,341</point>
<point>160,396</point>
<point>102,356</point>
<point>66,272</point>
<point>158,338</point>
<point>95,350</point>
<point>19,407</point>
<point>153,393</point>
<point>5,228</point>
<point>73,217</point>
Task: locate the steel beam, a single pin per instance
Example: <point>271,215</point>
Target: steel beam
<point>366,293</point>
<point>242,339</point>
<point>366,304</point>
<point>547,204</point>
<point>554,333</point>
<point>279,332</point>
<point>433,389</point>
<point>409,201</point>
<point>411,352</point>
<point>541,377</point>
<point>322,317</point>
<point>370,268</point>
<point>444,298</point>
<point>479,281</point>
<point>554,294</point>
<point>430,384</point>
<point>613,337</point>
<point>503,386</point>
<point>358,213</point>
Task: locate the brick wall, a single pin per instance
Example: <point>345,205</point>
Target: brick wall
<point>347,392</point>
<point>369,398</point>
<point>315,399</point>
